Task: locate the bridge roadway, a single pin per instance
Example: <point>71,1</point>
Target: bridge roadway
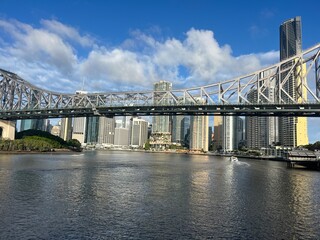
<point>305,110</point>
<point>287,88</point>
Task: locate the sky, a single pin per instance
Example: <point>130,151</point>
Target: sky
<point>127,45</point>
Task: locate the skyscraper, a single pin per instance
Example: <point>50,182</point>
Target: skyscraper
<point>121,137</point>
<point>230,141</point>
<point>92,130</point>
<point>290,38</point>
<point>199,131</point>
<point>217,132</point>
<point>66,129</point>
<point>293,130</point>
<point>139,132</point>
<point>37,124</point>
<point>161,135</point>
<point>79,129</point>
<point>106,130</point>
<point>177,129</point>
<point>261,131</point>
<point>161,124</point>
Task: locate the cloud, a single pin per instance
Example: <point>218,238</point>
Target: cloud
<point>118,67</point>
<point>59,57</point>
<point>39,46</point>
<point>65,31</point>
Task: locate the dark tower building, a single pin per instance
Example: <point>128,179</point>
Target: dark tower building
<point>292,130</point>
<point>290,38</point>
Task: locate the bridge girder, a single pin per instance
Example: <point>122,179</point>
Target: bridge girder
<point>286,83</point>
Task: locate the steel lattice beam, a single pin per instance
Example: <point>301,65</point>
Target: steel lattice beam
<point>285,83</point>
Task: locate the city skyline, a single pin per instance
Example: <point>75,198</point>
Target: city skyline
<point>49,46</point>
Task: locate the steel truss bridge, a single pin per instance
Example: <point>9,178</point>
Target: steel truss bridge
<point>288,88</point>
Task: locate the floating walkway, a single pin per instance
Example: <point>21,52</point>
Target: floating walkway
<point>304,158</point>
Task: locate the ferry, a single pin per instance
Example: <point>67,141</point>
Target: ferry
<point>233,159</point>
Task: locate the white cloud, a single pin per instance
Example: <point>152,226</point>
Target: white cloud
<point>117,67</point>
<point>39,46</point>
<point>49,55</point>
<point>67,32</point>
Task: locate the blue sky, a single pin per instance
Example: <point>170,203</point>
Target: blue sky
<point>128,45</point>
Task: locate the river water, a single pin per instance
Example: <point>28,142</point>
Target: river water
<point>135,195</point>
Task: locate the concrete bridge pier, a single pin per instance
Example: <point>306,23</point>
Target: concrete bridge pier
<point>7,129</point>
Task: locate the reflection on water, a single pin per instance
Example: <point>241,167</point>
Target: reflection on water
<point>121,195</point>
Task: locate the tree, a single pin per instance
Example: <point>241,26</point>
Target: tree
<point>147,145</point>
<point>74,144</point>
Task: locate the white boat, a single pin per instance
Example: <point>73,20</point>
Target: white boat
<point>233,159</point>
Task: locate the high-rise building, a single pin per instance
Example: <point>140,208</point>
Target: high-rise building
<point>7,129</point>
<point>121,137</point>
<point>261,131</point>
<point>79,129</point>
<point>199,131</point>
<point>186,131</point>
<point>106,130</point>
<point>290,38</point>
<point>292,130</point>
<point>240,132</point>
<point>92,130</point>
<point>66,129</point>
<point>161,124</point>
<point>126,121</point>
<point>37,124</point>
<point>161,135</point>
<point>139,132</point>
<point>217,132</point>
<point>177,132</point>
<point>229,142</point>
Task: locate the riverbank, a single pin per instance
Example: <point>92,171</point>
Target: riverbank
<point>55,151</point>
<point>271,158</point>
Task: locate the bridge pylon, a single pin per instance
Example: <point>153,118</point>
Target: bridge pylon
<point>7,129</point>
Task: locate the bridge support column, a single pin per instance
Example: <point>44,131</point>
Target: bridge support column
<point>7,129</point>
<point>317,68</point>
<point>290,164</point>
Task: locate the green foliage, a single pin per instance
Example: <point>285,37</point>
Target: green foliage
<point>175,147</point>
<point>39,141</point>
<point>314,146</point>
<point>74,144</point>
<point>147,145</point>
<point>39,133</point>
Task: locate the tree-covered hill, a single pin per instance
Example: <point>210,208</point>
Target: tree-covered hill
<point>39,141</point>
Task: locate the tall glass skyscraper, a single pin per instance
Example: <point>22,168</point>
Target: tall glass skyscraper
<point>290,38</point>
<point>292,130</point>
<point>92,130</point>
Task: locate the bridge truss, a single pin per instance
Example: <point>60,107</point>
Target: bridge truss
<point>288,88</point>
